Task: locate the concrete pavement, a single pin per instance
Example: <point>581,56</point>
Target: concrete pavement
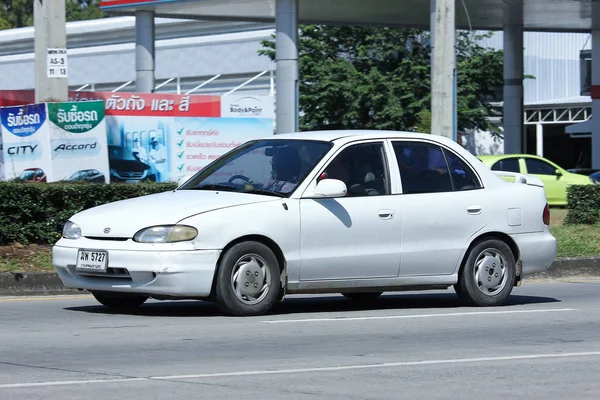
<point>544,344</point>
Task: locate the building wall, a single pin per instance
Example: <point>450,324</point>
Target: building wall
<point>102,53</point>
<point>553,59</point>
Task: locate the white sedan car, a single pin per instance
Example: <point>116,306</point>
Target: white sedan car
<point>352,212</point>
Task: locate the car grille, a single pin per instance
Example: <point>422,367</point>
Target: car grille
<point>116,239</point>
<point>121,274</point>
<point>130,174</point>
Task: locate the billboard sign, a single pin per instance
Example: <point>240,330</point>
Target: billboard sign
<point>163,137</point>
<point>78,144</point>
<point>24,134</point>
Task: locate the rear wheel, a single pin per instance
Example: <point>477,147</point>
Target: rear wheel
<point>362,296</point>
<point>120,300</point>
<point>488,276</point>
<point>248,281</point>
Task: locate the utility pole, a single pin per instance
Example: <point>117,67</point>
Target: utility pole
<point>51,70</point>
<point>443,31</point>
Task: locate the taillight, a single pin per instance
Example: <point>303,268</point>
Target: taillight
<point>546,217</point>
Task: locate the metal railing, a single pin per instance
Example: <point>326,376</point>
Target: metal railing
<point>225,84</point>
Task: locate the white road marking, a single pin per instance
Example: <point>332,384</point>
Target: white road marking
<point>304,370</point>
<point>65,383</point>
<point>285,321</point>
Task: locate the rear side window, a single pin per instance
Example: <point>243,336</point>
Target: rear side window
<point>508,165</point>
<point>539,167</point>
<point>423,168</point>
<point>427,168</point>
<point>463,177</point>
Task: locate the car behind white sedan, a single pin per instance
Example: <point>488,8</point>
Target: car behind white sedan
<point>352,212</point>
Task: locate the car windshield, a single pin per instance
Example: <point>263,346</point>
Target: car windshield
<point>272,167</point>
<point>78,174</point>
<point>27,175</point>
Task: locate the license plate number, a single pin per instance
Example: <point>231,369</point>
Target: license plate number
<point>92,260</point>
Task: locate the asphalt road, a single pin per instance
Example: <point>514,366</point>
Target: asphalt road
<point>544,345</point>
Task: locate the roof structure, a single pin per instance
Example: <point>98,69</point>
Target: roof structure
<point>189,54</point>
<point>539,15</point>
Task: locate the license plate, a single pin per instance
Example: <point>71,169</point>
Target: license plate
<point>92,260</point>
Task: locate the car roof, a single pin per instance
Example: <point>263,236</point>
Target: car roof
<point>349,135</point>
<point>511,155</point>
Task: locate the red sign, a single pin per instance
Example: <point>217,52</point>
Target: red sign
<point>133,104</point>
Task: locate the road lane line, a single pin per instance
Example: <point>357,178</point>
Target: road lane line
<point>285,321</point>
<point>305,370</point>
<point>67,383</point>
<point>382,365</point>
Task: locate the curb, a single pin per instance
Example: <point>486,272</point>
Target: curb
<point>31,284</point>
<point>570,267</point>
<point>48,283</point>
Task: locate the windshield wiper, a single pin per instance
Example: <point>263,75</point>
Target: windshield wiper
<point>265,192</point>
<point>226,188</point>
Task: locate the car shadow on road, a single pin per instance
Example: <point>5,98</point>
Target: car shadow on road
<point>312,304</point>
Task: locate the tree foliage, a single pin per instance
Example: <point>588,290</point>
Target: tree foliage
<point>19,13</point>
<point>16,13</point>
<point>379,78</point>
<point>82,10</point>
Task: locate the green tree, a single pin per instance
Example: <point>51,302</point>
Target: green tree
<point>379,78</point>
<point>15,13</point>
<point>81,10</point>
<point>19,13</point>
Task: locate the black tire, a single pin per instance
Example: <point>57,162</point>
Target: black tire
<point>119,300</point>
<point>370,296</point>
<point>225,294</point>
<point>467,287</point>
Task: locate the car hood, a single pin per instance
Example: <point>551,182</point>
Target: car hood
<point>124,218</point>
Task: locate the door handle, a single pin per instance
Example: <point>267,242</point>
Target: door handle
<point>474,209</point>
<point>386,214</point>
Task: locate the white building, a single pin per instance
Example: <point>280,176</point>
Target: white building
<point>101,56</point>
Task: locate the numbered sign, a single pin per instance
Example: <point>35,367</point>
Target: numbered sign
<point>57,63</point>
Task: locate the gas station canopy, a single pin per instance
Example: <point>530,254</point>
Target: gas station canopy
<point>538,15</point>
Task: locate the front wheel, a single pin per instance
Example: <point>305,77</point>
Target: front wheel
<point>120,301</point>
<point>488,276</point>
<point>248,281</point>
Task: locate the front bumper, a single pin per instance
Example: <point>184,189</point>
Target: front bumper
<point>538,251</point>
<point>173,273</point>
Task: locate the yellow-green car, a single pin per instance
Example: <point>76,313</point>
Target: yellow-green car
<point>555,179</point>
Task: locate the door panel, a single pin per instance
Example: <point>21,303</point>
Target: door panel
<point>443,206</point>
<point>349,238</point>
<point>554,186</point>
<point>437,229</point>
<point>357,236</point>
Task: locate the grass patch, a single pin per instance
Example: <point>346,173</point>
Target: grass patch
<point>30,258</point>
<point>573,241</point>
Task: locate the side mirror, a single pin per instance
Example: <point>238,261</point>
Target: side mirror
<point>183,180</point>
<point>558,173</point>
<point>330,188</point>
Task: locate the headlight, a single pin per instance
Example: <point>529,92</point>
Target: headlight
<point>166,234</point>
<point>71,231</point>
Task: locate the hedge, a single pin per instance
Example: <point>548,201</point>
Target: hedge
<point>34,213</point>
<point>583,204</point>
